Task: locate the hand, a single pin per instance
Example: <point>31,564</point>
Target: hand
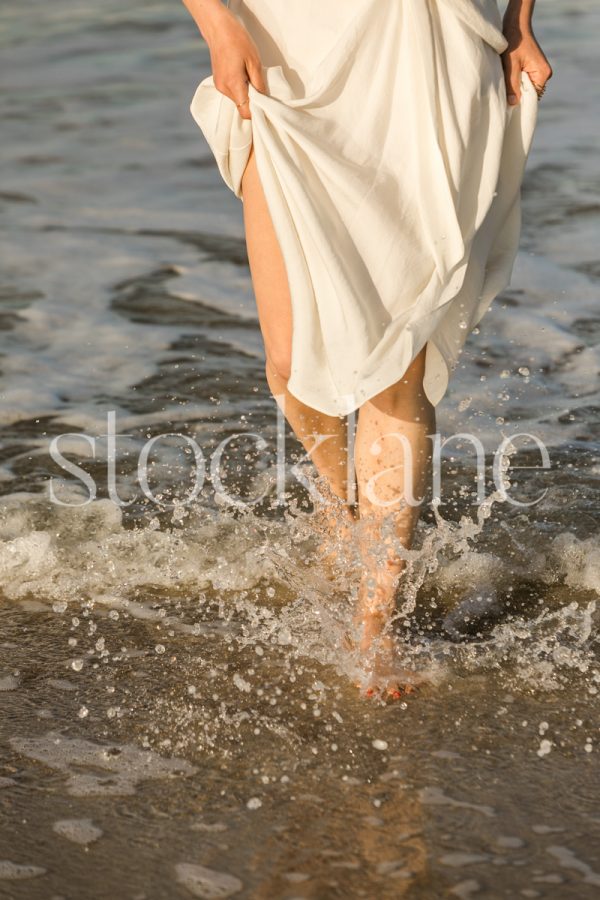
<point>235,61</point>
<point>523,54</point>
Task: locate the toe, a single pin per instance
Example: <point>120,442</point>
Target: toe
<point>398,691</point>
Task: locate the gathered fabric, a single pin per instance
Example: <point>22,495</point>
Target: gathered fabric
<point>392,165</point>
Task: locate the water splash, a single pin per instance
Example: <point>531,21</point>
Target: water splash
<point>257,582</point>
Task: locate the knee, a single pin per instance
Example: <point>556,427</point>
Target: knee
<point>409,387</point>
<point>279,365</point>
<point>407,394</point>
<point>406,400</point>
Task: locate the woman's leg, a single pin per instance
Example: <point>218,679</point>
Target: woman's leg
<point>402,409</point>
<point>323,437</point>
<point>393,459</point>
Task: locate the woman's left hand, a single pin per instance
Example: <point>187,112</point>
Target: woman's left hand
<point>523,54</point>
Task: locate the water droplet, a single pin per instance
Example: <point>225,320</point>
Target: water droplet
<point>241,684</point>
<point>284,636</point>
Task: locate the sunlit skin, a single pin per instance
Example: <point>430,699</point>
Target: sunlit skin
<point>399,417</point>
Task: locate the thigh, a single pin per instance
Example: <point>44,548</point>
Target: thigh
<point>406,398</point>
<point>269,276</point>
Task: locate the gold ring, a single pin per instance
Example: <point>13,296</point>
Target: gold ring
<point>242,103</point>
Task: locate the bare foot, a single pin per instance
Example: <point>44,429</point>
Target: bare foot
<point>380,671</point>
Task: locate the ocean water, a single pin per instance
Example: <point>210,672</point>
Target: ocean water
<point>177,716</point>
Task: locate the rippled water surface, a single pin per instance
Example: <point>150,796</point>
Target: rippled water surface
<point>177,715</point>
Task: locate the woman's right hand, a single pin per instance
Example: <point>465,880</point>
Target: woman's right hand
<point>235,60</point>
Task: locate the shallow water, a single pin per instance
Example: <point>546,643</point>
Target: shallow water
<point>173,693</point>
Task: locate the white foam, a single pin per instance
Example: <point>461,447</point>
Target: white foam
<point>434,796</point>
<point>11,871</point>
<point>215,827</point>
<point>207,883</point>
<point>122,766</point>
<point>9,683</point>
<point>79,831</point>
<point>465,889</point>
<point>568,860</point>
<point>458,859</point>
<point>68,559</point>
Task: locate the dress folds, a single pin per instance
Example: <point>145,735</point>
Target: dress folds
<point>392,167</point>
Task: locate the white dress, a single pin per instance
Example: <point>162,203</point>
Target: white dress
<point>392,165</point>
